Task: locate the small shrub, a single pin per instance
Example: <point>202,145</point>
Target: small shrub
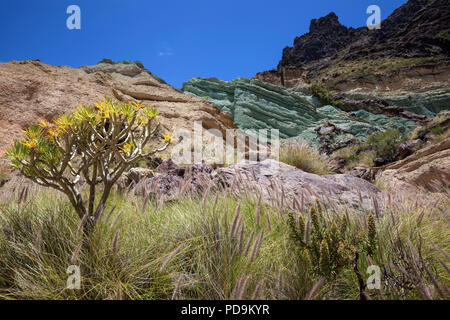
<point>106,60</point>
<point>300,154</point>
<point>328,242</point>
<point>94,143</point>
<point>437,130</point>
<point>385,143</point>
<point>325,96</point>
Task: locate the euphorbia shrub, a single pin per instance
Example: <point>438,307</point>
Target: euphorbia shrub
<point>94,143</point>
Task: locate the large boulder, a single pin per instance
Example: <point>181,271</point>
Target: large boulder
<point>277,183</point>
<point>173,181</point>
<point>280,183</point>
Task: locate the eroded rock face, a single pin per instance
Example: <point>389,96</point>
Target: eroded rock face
<point>174,181</point>
<point>277,181</point>
<point>31,90</point>
<point>413,30</point>
<point>427,168</point>
<point>254,104</point>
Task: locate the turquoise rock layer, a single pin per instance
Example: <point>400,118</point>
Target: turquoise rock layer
<point>259,105</point>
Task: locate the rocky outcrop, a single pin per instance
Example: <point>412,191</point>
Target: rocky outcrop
<point>254,104</point>
<point>278,183</point>
<point>404,65</point>
<point>326,38</point>
<point>32,90</point>
<point>419,28</point>
<point>427,168</point>
<point>289,77</point>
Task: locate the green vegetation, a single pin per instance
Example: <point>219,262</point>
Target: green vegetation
<point>97,144</point>
<point>385,143</point>
<point>325,96</point>
<point>381,144</point>
<point>354,69</point>
<point>298,153</point>
<point>444,36</point>
<point>218,246</point>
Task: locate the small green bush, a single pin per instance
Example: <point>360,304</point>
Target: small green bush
<point>437,130</point>
<point>385,143</point>
<point>325,96</point>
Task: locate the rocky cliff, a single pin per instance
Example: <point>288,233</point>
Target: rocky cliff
<point>419,28</point>
<point>32,90</point>
<point>405,63</point>
<point>255,104</point>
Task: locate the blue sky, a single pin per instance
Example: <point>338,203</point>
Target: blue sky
<point>176,40</point>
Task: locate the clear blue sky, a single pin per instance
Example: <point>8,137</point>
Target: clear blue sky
<point>176,40</point>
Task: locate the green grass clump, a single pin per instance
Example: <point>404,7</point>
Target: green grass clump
<point>222,246</point>
<point>325,96</point>
<point>300,154</point>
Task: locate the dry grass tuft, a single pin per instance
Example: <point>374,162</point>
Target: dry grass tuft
<point>300,154</point>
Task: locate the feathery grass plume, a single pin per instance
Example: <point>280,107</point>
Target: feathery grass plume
<point>177,287</point>
<point>256,246</point>
<point>243,288</point>
<point>241,238</point>
<point>249,242</point>
<point>114,242</point>
<point>38,241</point>
<point>258,211</point>
<point>81,225</point>
<point>257,291</point>
<point>315,289</point>
<point>75,254</point>
<point>116,219</point>
<point>235,221</point>
<point>171,256</point>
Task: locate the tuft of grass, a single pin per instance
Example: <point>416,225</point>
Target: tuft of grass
<point>223,246</point>
<point>298,153</point>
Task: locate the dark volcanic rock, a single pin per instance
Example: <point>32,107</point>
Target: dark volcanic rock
<point>174,180</point>
<point>365,173</point>
<point>326,37</point>
<point>407,148</point>
<point>332,138</point>
<point>419,28</point>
